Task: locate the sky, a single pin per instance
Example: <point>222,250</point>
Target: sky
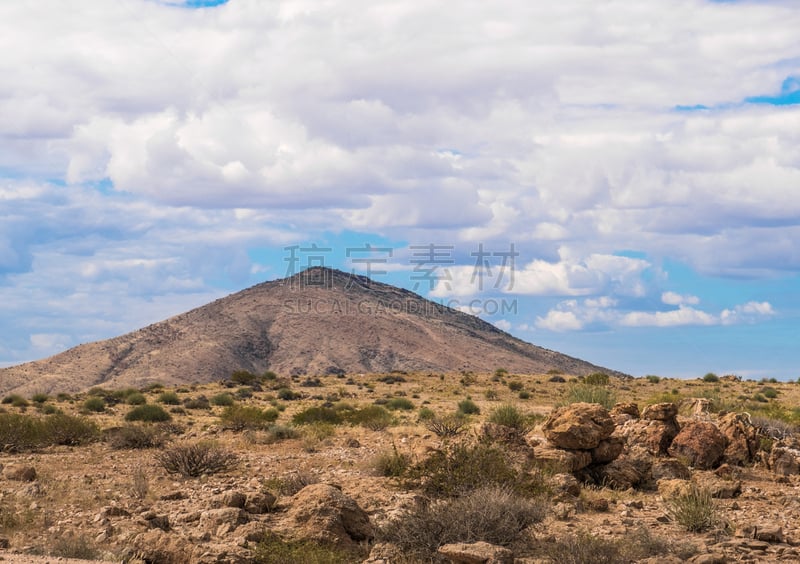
<point>616,180</point>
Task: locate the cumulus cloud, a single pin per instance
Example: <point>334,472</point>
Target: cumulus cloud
<point>673,298</point>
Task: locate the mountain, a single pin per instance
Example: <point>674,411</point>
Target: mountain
<point>317,322</point>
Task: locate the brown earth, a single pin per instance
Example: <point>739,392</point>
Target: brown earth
<point>317,322</point>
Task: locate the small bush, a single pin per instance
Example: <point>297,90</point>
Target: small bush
<point>74,546</point>
<point>244,393</point>
<point>769,392</point>
<point>290,484</point>
<point>653,379</point>
<point>286,394</point>
<point>590,394</point>
<point>148,412</point>
<point>490,514</point>
<point>710,377</point>
<point>63,396</point>
<point>200,402</point>
<point>15,400</point>
<point>391,464</point>
<point>222,400</point>
<point>425,414</point>
<point>169,398</point>
<point>136,436</point>
<point>193,460</point>
<point>239,417</point>
<point>39,398</point>
<point>468,407</point>
<point>20,433</point>
<point>276,433</point>
<point>136,398</point>
<point>95,404</point>
<point>317,415</point>
<point>243,378</point>
<point>695,510</point>
<point>509,416</point>
<point>583,547</point>
<point>515,385</point>
<point>401,404</point>
<point>596,379</point>
<point>373,417</point>
<point>273,550</point>
<point>61,429</point>
<point>447,426</point>
<point>524,394</point>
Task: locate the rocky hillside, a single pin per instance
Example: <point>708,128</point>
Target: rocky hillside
<point>317,322</point>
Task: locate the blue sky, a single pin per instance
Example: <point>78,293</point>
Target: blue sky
<point>640,160</point>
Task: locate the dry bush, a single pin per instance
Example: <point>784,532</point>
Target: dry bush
<point>73,545</point>
<point>140,484</point>
<point>290,484</point>
<point>391,464</point>
<point>583,547</point>
<point>240,417</point>
<point>447,426</point>
<point>193,460</point>
<point>492,514</point>
<point>274,550</point>
<point>135,436</point>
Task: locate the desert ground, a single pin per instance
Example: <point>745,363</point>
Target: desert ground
<point>405,467</point>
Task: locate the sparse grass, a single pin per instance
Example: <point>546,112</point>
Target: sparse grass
<point>391,464</point>
<point>289,484</point>
<point>274,550</point>
<point>401,404</point>
<point>317,415</point>
<point>583,547</point>
<point>39,398</point>
<point>590,394</point>
<point>515,385</point>
<point>491,514</point>
<point>197,459</point>
<point>223,400</point>
<point>596,379</point>
<point>73,545</point>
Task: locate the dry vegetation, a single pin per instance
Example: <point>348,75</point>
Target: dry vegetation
<point>145,474</point>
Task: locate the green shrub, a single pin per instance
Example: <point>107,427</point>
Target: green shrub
<point>153,387</point>
<point>489,514</point>
<point>95,404</point>
<point>223,400</point>
<point>243,378</point>
<point>710,377</point>
<point>15,400</point>
<point>270,376</point>
<point>49,409</point>
<point>769,392</point>
<point>39,398</point>
<point>468,407</point>
<point>694,510</point>
<point>596,379</point>
<point>148,412</point>
<point>425,414</point>
<point>402,404</point>
<point>169,398</point>
<point>524,394</point>
<point>515,385</point>
<point>62,429</point>
<point>317,415</point>
<point>277,433</point>
<point>373,417</point>
<point>200,402</point>
<point>239,417</point>
<point>63,396</point>
<point>286,394</point>
<point>653,379</point>
<point>509,416</point>
<point>590,394</point>
<point>273,550</point>
<point>136,398</point>
<point>193,460</point>
<point>244,392</point>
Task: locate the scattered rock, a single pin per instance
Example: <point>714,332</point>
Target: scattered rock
<point>174,496</point>
<point>504,434</point>
<point>623,412</point>
<point>154,521</point>
<point>259,503</point>
<point>578,426</point>
<point>784,461</point>
<point>563,460</point>
<point>231,499</point>
<point>323,513</point>
<point>566,483</point>
<point>353,443</point>
<point>476,553</point>
<point>654,435</point>
<point>20,473</point>
<point>220,522</point>
<point>718,487</point>
<point>669,468</point>
<point>709,558</point>
<point>700,443</point>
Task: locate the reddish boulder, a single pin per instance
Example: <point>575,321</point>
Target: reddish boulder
<point>700,443</point>
<point>660,412</point>
<point>742,438</point>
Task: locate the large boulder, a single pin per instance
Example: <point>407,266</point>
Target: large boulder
<point>622,412</point>
<point>654,435</point>
<point>562,460</point>
<point>579,426</point>
<point>630,470</point>
<point>784,460</point>
<point>660,412</point>
<point>700,443</point>
<point>741,436</point>
<point>476,553</point>
<point>609,449</point>
<point>322,513</point>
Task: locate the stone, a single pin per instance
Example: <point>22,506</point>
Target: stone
<point>599,504</point>
<point>628,471</point>
<point>222,521</point>
<point>322,513</point>
<point>157,522</point>
<point>578,426</point>
<point>709,558</point>
<point>259,503</point>
<point>654,435</point>
<point>20,473</point>
<point>476,553</point>
<point>741,436</point>
<point>784,461</point>
<point>660,412</point>
<point>609,449</point>
<point>669,468</point>
<point>566,483</point>
<point>700,443</point>
<point>563,460</point>
<point>232,499</point>
<point>718,487</point>
<point>4,542</point>
<point>624,412</point>
<point>673,488</point>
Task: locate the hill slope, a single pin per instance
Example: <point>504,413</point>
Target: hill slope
<point>316,322</point>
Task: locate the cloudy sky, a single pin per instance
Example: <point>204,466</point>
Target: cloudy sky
<point>618,180</point>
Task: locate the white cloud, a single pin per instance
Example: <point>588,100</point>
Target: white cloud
<point>673,298</point>
<point>503,324</point>
<point>684,315</point>
<point>747,313</point>
<point>556,320</point>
